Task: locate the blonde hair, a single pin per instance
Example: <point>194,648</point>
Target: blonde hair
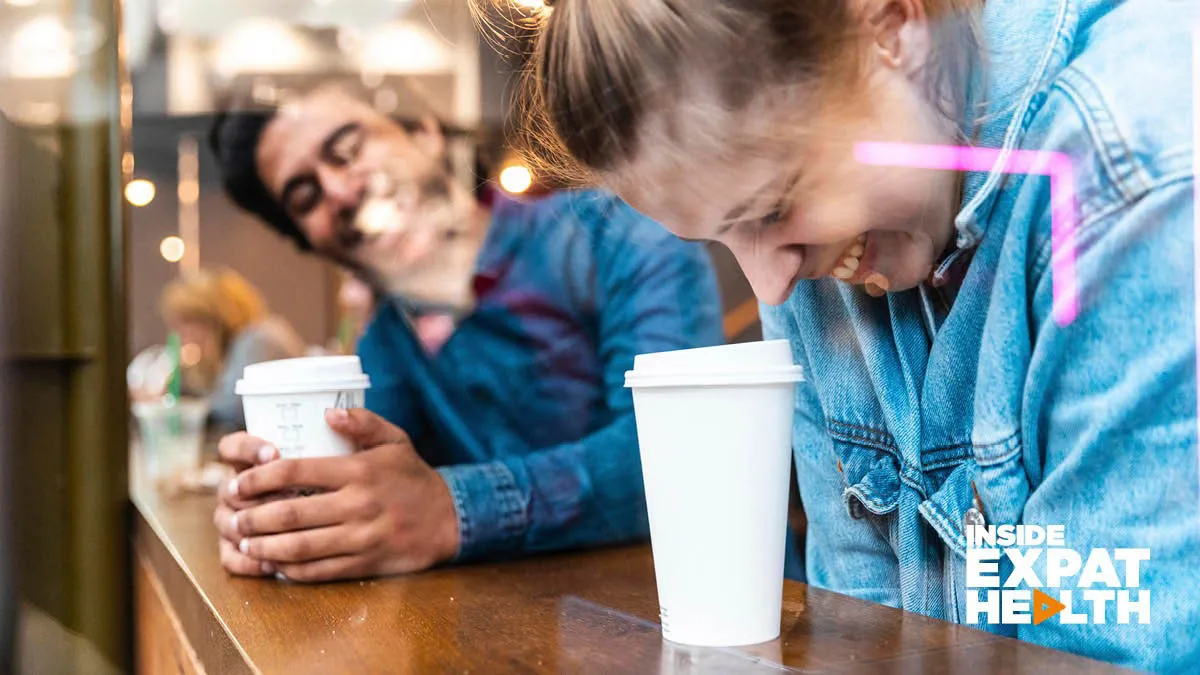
<point>602,70</point>
<point>221,298</point>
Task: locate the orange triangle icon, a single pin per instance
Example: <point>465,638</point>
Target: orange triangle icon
<point>1044,607</point>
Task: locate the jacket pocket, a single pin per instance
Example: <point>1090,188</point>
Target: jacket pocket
<point>870,467</point>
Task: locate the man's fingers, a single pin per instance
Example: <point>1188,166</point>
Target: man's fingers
<point>226,518</point>
<point>364,427</point>
<point>237,503</point>
<point>307,545</point>
<point>235,562</point>
<point>223,520</point>
<point>303,513</point>
<point>330,473</point>
<point>243,450</point>
<point>330,569</point>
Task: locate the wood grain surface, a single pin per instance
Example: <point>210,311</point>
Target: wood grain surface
<point>589,612</point>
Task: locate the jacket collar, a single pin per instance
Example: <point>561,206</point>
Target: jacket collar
<point>1025,47</point>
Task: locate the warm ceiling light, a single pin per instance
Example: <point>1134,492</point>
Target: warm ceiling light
<point>140,192</point>
<point>262,45</point>
<point>189,191</point>
<point>171,249</point>
<point>516,179</point>
<point>41,48</point>
<point>401,47</point>
<point>21,3</point>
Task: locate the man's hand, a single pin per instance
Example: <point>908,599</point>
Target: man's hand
<point>241,451</point>
<point>384,511</point>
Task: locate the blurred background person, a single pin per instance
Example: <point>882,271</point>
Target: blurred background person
<point>497,350</point>
<point>223,326</point>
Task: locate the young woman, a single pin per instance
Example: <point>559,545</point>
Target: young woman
<point>964,365</point>
<point>225,320</point>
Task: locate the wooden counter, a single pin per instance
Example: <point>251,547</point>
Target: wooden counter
<point>576,613</point>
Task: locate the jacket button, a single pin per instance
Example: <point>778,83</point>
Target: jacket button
<point>973,518</point>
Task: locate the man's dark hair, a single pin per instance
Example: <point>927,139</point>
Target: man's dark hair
<point>234,141</point>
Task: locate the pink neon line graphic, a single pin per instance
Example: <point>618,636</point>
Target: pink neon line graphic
<point>1056,165</point>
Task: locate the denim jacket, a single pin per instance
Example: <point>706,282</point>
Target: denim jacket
<point>524,408</point>
<point>923,411</point>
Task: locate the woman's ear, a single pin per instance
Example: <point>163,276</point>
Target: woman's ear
<point>429,137</point>
<point>901,33</point>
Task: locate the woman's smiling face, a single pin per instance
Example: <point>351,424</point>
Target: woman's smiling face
<point>793,206</point>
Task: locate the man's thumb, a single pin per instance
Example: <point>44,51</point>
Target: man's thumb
<point>364,428</point>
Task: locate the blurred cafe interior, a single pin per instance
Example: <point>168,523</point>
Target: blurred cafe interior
<point>111,202</point>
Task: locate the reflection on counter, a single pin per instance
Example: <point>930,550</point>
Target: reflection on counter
<point>582,624</point>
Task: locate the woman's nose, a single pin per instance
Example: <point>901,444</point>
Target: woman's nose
<point>771,273</point>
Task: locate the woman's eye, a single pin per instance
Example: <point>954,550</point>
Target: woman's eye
<point>773,217</point>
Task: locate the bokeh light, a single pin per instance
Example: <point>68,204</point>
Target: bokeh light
<point>171,249</point>
<point>140,192</point>
<point>516,179</point>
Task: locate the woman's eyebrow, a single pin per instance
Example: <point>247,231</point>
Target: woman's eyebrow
<point>740,209</point>
<point>732,218</point>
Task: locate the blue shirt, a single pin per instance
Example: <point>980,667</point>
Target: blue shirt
<point>920,413</point>
<point>524,408</point>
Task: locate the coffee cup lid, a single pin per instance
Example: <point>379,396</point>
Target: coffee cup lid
<point>740,357</point>
<point>746,363</point>
<point>303,375</point>
<point>727,378</point>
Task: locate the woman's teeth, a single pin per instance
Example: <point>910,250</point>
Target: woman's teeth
<point>875,284</point>
<point>851,259</point>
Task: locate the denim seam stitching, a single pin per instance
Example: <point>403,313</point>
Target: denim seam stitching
<point>947,463</point>
<point>950,446</point>
<point>957,539</point>
<point>1117,142</point>
<point>879,439</point>
<point>866,442</point>
<point>875,435</point>
<point>464,520</point>
<point>1157,184</point>
<point>513,518</point>
<point>868,497</point>
<point>906,473</point>
<point>963,452</point>
<point>1010,443</point>
<point>1085,225</point>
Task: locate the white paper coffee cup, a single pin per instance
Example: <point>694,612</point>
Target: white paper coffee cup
<point>285,402</point>
<point>714,427</point>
